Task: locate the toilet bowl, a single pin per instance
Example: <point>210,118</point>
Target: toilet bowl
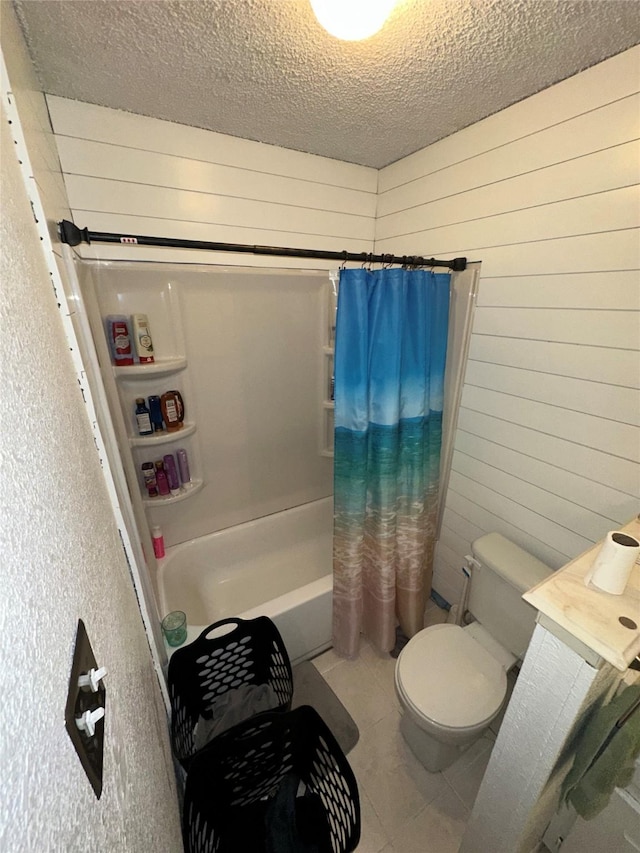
<point>451,687</point>
<point>451,681</point>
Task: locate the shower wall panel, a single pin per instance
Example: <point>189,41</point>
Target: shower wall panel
<point>253,384</point>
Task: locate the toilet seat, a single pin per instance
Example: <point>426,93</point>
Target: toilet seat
<point>446,677</point>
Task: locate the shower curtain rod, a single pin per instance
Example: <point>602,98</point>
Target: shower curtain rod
<point>73,236</point>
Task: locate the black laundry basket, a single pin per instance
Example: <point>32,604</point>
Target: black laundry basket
<point>233,799</point>
<point>251,653</point>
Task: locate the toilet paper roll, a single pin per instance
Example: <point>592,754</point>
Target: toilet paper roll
<point>612,566</point>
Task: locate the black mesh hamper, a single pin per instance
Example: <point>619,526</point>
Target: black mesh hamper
<point>234,800</point>
<point>252,653</point>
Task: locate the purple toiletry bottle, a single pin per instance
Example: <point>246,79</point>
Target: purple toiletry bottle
<point>183,467</point>
<point>172,473</point>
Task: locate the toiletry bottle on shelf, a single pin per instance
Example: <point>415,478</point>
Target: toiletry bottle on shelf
<point>172,473</point>
<point>158,541</point>
<point>161,479</point>
<point>149,477</point>
<point>172,407</point>
<point>117,327</point>
<point>183,467</point>
<point>156,413</point>
<point>142,338</point>
<point>143,419</point>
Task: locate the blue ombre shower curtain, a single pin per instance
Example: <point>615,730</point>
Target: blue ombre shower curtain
<point>391,341</point>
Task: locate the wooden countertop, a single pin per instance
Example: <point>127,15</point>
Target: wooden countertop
<point>592,616</point>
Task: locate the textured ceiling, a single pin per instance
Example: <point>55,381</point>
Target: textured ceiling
<point>265,70</point>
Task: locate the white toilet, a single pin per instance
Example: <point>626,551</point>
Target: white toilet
<point>452,681</point>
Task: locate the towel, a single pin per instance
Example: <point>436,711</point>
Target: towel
<point>231,708</point>
<point>296,820</point>
<point>605,756</point>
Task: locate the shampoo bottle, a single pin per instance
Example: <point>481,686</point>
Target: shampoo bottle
<point>143,419</point>
<point>142,338</point>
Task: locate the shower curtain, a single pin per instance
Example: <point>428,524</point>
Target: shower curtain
<point>391,341</point>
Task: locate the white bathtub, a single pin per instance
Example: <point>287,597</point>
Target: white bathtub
<point>278,566</point>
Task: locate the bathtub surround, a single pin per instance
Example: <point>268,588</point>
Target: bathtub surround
<point>253,413</point>
<point>391,344</point>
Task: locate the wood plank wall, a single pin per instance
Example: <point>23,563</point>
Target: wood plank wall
<point>133,174</point>
<point>545,194</point>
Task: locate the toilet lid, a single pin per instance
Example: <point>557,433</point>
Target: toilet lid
<point>448,677</point>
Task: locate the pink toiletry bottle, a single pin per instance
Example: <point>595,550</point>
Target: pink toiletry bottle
<point>158,541</point>
<point>161,479</point>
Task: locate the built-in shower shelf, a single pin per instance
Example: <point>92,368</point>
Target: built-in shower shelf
<point>185,492</point>
<point>327,404</point>
<point>163,437</point>
<point>164,367</point>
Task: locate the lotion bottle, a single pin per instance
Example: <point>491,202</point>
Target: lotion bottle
<point>142,338</point>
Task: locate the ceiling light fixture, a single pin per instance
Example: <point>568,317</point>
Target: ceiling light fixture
<point>352,20</point>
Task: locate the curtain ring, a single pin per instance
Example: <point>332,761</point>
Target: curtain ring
<point>343,265</point>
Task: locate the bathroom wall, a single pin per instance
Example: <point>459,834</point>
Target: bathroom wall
<point>62,556</point>
<point>138,175</point>
<point>545,194</point>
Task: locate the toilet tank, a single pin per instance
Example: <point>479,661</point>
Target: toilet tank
<point>503,573</point>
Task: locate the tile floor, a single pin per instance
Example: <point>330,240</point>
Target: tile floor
<point>404,808</point>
